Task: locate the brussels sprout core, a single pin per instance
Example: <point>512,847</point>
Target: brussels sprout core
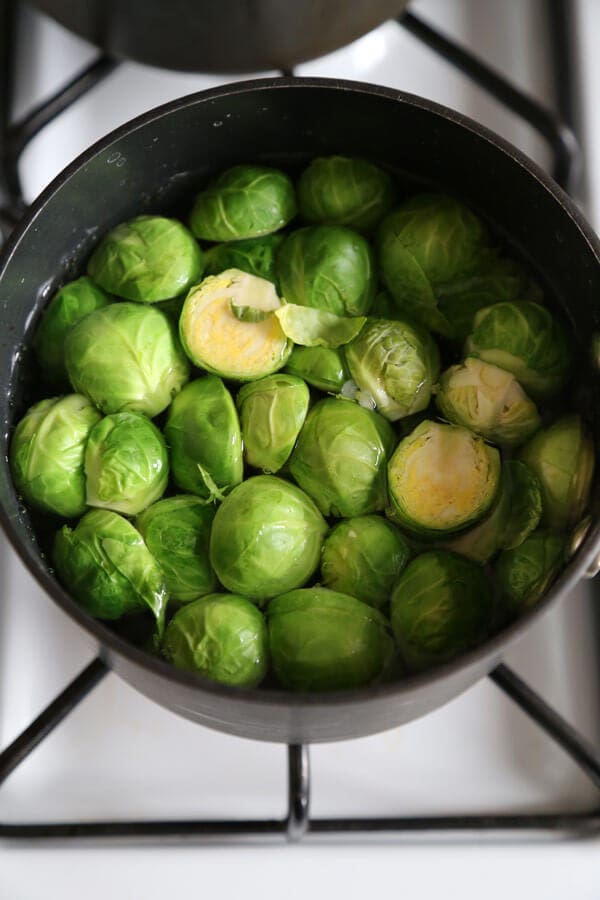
<point>221,341</point>
<point>442,478</point>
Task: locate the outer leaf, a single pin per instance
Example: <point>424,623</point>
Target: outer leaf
<point>317,327</point>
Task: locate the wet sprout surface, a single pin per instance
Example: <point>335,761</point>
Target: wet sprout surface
<point>316,432</point>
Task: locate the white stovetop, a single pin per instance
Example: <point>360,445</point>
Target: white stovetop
<point>120,756</point>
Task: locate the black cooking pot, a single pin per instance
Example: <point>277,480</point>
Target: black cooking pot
<point>154,164</point>
<point>221,35</point>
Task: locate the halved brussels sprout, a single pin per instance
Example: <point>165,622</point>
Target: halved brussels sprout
<point>272,412</point>
<point>126,463</point>
<point>342,190</point>
<point>514,516</point>
<point>524,573</point>
<point>525,339</point>
<point>363,557</point>
<point>146,259</point>
<point>328,267</point>
<point>255,256</point>
<point>204,439</point>
<point>441,607</point>
<point>221,636</point>
<point>340,458</point>
<point>47,451</point>
<point>177,532</point>
<point>322,640</point>
<point>396,364</point>
<point>266,538</point>
<point>217,337</point>
<point>126,357</point>
<point>487,400</point>
<point>321,367</point>
<point>243,202</point>
<point>431,239</point>
<point>70,304</point>
<point>562,457</point>
<point>441,479</point>
<point>311,327</point>
<point>106,566</point>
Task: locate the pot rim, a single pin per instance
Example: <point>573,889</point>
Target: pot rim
<point>494,646</point>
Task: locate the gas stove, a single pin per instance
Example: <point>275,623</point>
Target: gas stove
<point>468,792</point>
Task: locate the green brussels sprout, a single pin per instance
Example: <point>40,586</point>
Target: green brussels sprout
<point>341,190</point>
<point>322,640</point>
<point>266,538</point>
<point>272,412</point>
<point>514,516</point>
<point>487,400</point>
<point>441,607</point>
<point>396,364</point>
<point>47,452</point>
<point>204,439</point>
<point>328,267</point>
<point>126,357</point>
<point>441,479</point>
<point>562,457</point>
<point>218,337</point>
<point>321,367</point>
<point>243,202</point>
<point>312,327</point>
<point>524,573</point>
<point>221,636</point>
<point>363,557</point>
<point>126,463</point>
<point>70,304</point>
<point>525,339</point>
<point>105,564</point>
<point>146,259</point>
<point>340,458</point>
<point>255,256</point>
<point>497,280</point>
<point>431,239</point>
<point>177,532</point>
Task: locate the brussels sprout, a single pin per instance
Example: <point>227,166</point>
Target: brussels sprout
<point>266,538</point>
<point>126,357</point>
<point>328,267</point>
<point>487,400</point>
<point>341,190</point>
<point>272,412</point>
<point>215,335</point>
<point>442,478</point>
<point>126,464</point>
<point>441,607</point>
<point>243,202</point>
<point>70,304</point>
<point>514,516</point>
<point>524,573</point>
<point>255,256</point>
<point>221,636</point>
<point>340,458</point>
<point>363,557</point>
<point>562,457</point>
<point>321,367</point>
<point>204,439</point>
<point>431,239</point>
<point>46,454</point>
<point>146,259</point>
<point>497,280</point>
<point>525,339</point>
<point>106,566</point>
<point>322,640</point>
<point>177,532</point>
<point>396,364</point>
<point>311,327</point>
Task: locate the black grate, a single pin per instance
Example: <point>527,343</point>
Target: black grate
<point>298,824</point>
